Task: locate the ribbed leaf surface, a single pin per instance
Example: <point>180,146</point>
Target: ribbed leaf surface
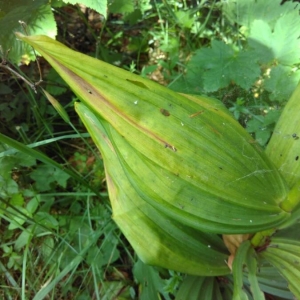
<point>284,146</point>
<point>284,254</point>
<point>157,239</point>
<point>184,155</point>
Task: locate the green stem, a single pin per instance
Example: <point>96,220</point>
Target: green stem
<point>292,199</point>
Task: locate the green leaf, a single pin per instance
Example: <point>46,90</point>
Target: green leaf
<point>272,282</point>
<point>131,214</point>
<point>46,220</point>
<point>237,270</point>
<point>107,254</point>
<point>25,160</point>
<point>44,175</point>
<point>33,204</point>
<point>55,84</point>
<point>211,190</point>
<point>284,146</point>
<point>194,288</point>
<point>26,149</point>
<point>244,12</point>
<point>47,247</point>
<point>282,82</point>
<point>99,6</point>
<point>221,66</point>
<point>23,239</point>
<point>58,107</point>
<point>39,19</point>
<point>284,254</point>
<point>185,18</point>
<point>121,6</point>
<point>281,45</point>
<point>8,187</point>
<point>17,219</point>
<point>252,275</point>
<point>151,284</point>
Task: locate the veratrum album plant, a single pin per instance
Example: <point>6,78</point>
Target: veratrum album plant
<point>190,189</point>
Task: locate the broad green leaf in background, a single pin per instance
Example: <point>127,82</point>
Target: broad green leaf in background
<point>282,82</point>
<point>121,6</point>
<point>220,65</point>
<point>244,12</point>
<point>44,175</point>
<point>36,14</point>
<point>282,43</point>
<point>98,5</point>
<point>273,34</point>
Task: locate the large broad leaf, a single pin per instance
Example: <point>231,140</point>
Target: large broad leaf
<point>280,45</point>
<point>220,65</point>
<point>284,146</point>
<point>244,12</point>
<point>184,155</point>
<point>157,239</point>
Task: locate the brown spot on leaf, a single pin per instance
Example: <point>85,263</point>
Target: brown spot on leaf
<point>165,112</point>
<point>196,114</point>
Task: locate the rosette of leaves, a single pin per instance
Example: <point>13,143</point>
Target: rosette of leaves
<point>181,172</point>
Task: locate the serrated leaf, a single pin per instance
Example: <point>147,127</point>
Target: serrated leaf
<point>221,65</point>
<point>44,175</point>
<point>281,45</point>
<point>244,12</point>
<point>99,6</point>
<point>121,6</point>
<point>282,82</point>
<point>39,19</point>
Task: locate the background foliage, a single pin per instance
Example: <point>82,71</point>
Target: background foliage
<point>57,235</point>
